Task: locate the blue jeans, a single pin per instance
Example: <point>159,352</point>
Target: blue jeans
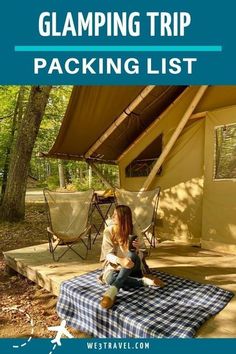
<point>127,278</point>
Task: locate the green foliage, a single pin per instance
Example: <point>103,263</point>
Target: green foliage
<point>52,182</point>
<point>43,169</point>
<point>79,176</point>
<point>8,101</point>
<point>6,111</point>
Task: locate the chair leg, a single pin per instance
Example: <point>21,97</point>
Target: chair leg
<point>50,245</point>
<point>68,248</point>
<point>145,267</point>
<point>72,249</point>
<point>53,248</point>
<point>148,239</point>
<point>151,241</point>
<point>90,239</point>
<point>57,259</point>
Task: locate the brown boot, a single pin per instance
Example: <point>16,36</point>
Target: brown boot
<point>158,282</point>
<point>107,302</point>
<point>109,298</point>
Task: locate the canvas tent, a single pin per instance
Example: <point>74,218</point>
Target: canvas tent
<point>132,125</point>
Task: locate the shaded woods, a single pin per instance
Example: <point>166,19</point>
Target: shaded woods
<point>30,118</point>
<point>13,196</point>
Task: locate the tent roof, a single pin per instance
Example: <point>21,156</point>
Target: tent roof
<point>92,109</point>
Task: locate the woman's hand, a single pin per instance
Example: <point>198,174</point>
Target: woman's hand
<point>126,263</point>
<point>136,244</point>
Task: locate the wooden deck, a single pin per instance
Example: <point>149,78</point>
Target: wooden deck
<point>190,262</point>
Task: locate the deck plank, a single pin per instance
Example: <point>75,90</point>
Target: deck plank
<point>194,263</point>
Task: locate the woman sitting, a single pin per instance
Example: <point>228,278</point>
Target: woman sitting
<point>122,263</point>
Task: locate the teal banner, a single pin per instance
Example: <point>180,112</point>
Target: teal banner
<point>137,346</point>
<point>78,42</point>
<point>104,42</point>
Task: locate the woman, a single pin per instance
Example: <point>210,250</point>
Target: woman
<point>122,266</point>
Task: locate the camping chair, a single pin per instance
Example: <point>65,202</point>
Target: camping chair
<point>68,214</point>
<point>144,210</point>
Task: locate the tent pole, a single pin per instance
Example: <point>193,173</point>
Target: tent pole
<point>120,119</point>
<point>100,175</point>
<point>174,137</point>
<point>156,121</point>
<point>199,115</point>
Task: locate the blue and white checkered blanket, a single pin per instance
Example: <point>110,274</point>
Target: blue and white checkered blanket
<point>177,310</point>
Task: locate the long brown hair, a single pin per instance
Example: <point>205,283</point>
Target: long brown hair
<point>125,224</point>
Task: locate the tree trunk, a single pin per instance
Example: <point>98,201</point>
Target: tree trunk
<point>90,176</point>
<point>17,116</point>
<point>61,175</point>
<point>13,204</point>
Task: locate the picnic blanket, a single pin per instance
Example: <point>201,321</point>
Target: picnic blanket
<point>177,310</point>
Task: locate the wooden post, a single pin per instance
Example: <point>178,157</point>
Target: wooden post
<point>119,120</point>
<point>100,175</point>
<point>174,137</point>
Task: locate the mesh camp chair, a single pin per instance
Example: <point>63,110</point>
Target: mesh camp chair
<point>68,214</point>
<point>144,210</point>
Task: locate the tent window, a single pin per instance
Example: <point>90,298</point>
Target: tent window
<point>225,152</point>
<point>142,165</point>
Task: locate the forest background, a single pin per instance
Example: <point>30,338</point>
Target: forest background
<point>19,105</point>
